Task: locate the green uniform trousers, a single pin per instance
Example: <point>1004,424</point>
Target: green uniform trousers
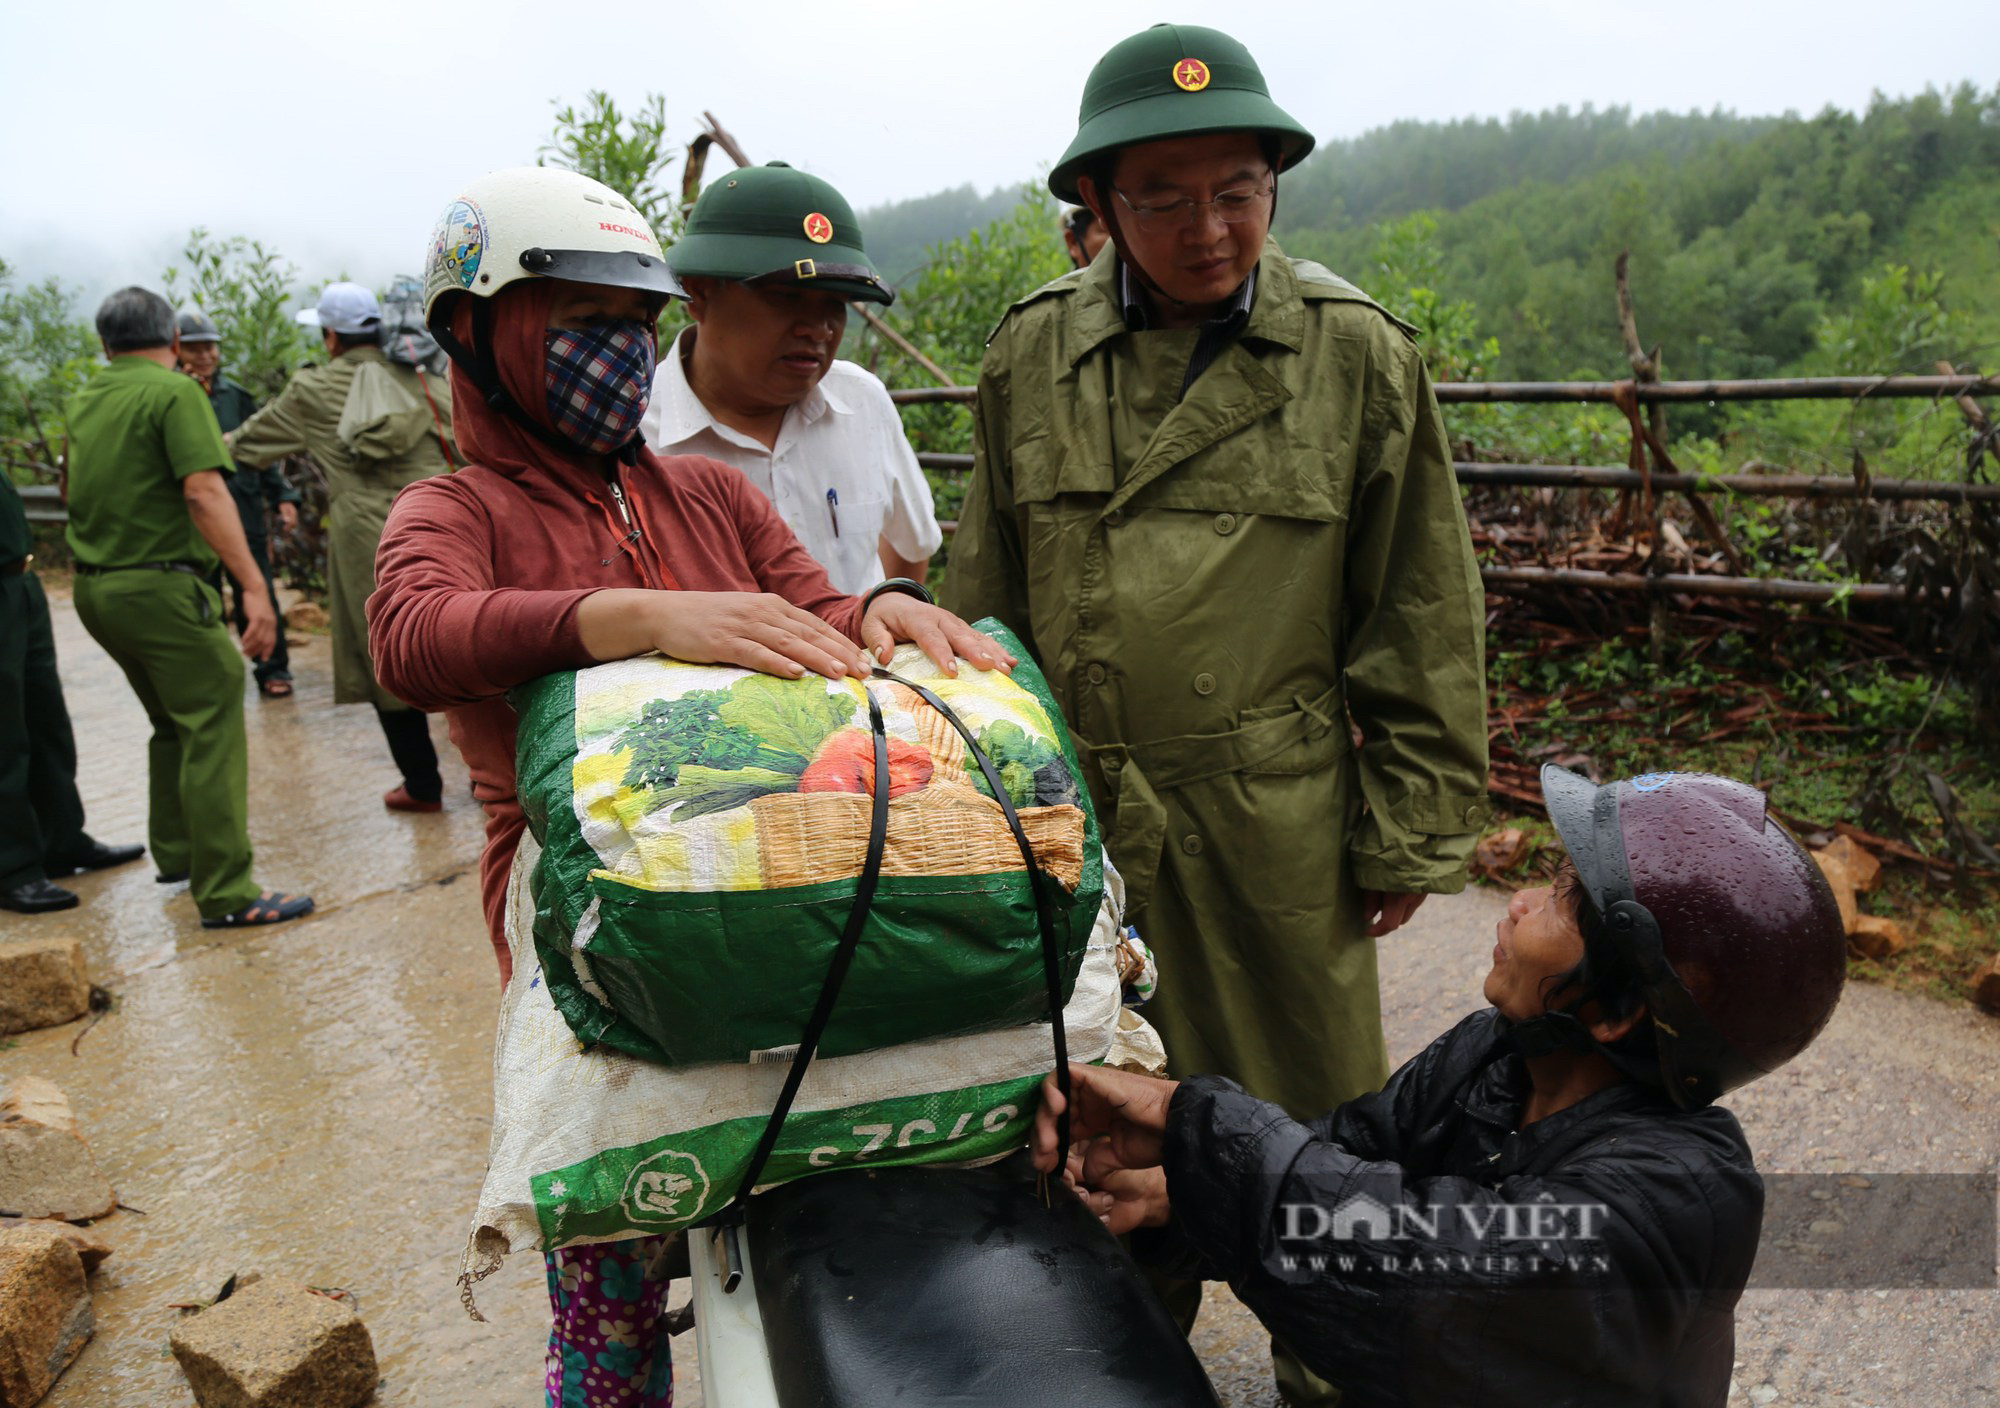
<point>41,816</point>
<point>165,630</point>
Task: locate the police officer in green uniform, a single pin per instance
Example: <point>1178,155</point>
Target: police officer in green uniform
<point>149,515</point>
<point>1212,493</point>
<point>258,492</point>
<point>41,815</point>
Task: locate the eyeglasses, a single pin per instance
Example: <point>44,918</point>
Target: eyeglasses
<point>1230,207</point>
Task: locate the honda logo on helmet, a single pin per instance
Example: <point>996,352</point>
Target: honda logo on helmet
<point>625,230</point>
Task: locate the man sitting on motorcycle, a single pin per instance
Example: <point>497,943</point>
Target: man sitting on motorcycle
<point>1545,1205</point>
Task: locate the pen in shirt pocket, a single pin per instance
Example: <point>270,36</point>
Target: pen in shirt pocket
<point>833,510</point>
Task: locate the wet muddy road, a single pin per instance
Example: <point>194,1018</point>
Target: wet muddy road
<point>310,1099</point>
<point>313,1099</point>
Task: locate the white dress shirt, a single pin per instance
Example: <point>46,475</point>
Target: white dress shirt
<point>841,473</point>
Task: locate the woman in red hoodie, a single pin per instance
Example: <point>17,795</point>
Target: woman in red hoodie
<point>565,542</point>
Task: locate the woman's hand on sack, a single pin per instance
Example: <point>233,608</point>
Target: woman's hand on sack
<point>1122,1118</point>
<point>898,616</point>
<point>756,630</point>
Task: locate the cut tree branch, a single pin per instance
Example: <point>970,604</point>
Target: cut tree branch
<point>1645,366</point>
<point>719,135</point>
<point>905,346</point>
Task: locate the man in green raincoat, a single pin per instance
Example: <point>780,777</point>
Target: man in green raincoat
<point>373,425</point>
<point>1213,495</point>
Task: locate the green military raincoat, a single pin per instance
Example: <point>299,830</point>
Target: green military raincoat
<point>255,489</point>
<point>373,427</point>
<point>1216,586</point>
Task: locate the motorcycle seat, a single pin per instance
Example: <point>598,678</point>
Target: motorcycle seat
<point>925,1287</point>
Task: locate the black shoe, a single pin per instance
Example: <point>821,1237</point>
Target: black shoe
<point>37,897</point>
<point>170,877</point>
<point>95,855</point>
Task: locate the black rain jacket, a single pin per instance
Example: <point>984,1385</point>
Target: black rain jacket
<point>1396,1246</point>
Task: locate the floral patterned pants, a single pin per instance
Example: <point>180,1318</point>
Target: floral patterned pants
<point>607,1348</point>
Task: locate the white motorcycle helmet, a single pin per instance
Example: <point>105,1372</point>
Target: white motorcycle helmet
<point>527,222</point>
<point>531,222</point>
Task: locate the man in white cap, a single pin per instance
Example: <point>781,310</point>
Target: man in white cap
<point>374,426</point>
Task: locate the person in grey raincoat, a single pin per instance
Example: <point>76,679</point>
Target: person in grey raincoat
<point>374,426</point>
<point>1212,494</point>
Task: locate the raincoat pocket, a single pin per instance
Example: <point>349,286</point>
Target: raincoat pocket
<point>1045,469</point>
<point>1304,487</point>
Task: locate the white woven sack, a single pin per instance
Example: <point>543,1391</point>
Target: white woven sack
<point>599,1146</point>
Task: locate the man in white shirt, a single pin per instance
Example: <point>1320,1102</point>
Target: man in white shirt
<point>771,258</point>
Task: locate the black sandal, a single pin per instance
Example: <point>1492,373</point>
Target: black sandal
<point>271,907</point>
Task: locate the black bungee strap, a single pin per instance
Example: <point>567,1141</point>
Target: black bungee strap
<point>857,918</point>
<point>836,972</point>
<point>1037,886</point>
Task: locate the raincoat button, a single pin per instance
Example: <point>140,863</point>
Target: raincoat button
<point>1225,523</point>
<point>1095,673</point>
<point>1204,683</point>
<point>1191,844</point>
<point>1472,817</point>
<point>1114,518</point>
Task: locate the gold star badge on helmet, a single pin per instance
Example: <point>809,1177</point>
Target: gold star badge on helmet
<point>1191,75</point>
<point>819,229</point>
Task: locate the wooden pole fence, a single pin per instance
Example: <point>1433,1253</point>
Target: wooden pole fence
<point>1687,584</point>
<point>1791,486</point>
<point>1798,388</point>
<point>1519,579</point>
<point>1589,476</point>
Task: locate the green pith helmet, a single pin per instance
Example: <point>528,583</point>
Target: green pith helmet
<point>774,222</point>
<point>1173,80</point>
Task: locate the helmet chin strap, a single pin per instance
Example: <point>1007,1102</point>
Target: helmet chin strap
<point>1113,227</point>
<point>1558,1029</point>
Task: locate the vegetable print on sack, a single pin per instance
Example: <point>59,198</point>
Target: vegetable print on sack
<point>704,828</point>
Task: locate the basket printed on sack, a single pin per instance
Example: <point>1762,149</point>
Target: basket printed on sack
<point>704,828</point>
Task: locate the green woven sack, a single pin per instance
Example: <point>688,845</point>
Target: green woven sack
<point>703,830</point>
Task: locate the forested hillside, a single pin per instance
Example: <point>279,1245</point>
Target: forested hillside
<point>1843,242</point>
<point>1744,231</point>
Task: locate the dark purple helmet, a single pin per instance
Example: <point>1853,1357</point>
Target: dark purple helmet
<point>1723,923</point>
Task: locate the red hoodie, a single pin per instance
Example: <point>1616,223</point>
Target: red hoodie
<point>480,573</point>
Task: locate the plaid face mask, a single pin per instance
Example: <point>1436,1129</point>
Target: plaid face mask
<point>599,381</point>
